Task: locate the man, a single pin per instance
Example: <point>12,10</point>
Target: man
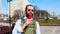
<point>29,26</point>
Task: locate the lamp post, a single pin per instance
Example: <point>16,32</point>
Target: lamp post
<point>9,13</point>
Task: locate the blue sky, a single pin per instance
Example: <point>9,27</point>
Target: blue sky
<point>49,5</point>
<point>4,7</point>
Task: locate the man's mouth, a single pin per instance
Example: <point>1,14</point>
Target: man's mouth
<point>30,13</point>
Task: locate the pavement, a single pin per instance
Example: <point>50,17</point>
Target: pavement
<point>44,29</point>
<point>50,29</point>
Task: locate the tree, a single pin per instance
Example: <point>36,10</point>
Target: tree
<point>17,14</point>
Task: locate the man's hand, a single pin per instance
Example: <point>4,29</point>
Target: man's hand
<point>28,21</point>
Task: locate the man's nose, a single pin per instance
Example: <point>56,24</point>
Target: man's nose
<point>30,11</point>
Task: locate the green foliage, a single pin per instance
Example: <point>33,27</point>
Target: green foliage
<point>53,21</point>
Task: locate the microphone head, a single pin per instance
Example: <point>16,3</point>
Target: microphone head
<point>30,16</point>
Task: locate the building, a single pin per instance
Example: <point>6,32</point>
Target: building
<point>17,5</point>
<point>41,14</point>
<point>54,14</point>
<point>3,16</point>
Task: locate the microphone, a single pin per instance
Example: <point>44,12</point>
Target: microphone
<point>30,16</point>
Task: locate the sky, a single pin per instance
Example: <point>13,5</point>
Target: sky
<point>48,5</point>
<point>4,7</point>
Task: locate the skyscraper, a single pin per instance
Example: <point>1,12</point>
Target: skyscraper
<point>18,4</point>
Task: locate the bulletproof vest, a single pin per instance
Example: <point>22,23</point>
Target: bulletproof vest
<point>30,29</point>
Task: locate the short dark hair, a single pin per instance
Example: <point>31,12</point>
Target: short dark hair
<point>26,10</point>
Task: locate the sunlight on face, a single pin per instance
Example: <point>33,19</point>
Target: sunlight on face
<point>30,10</point>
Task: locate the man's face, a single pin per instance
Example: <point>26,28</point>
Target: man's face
<point>30,10</point>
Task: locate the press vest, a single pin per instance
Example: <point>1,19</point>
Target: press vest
<point>30,29</point>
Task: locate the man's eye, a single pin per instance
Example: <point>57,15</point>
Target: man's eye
<point>32,10</point>
<point>29,10</point>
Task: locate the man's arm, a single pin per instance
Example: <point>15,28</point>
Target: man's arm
<point>17,27</point>
<point>37,28</point>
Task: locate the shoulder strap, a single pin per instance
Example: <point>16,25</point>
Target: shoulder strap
<point>22,20</point>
